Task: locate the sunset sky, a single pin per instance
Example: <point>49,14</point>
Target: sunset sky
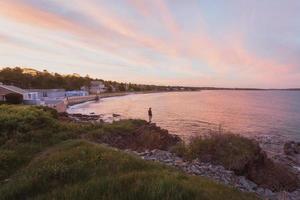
<point>226,43</point>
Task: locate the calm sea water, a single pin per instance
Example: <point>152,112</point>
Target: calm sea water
<point>193,113</point>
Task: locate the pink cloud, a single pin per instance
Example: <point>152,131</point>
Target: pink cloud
<point>127,41</point>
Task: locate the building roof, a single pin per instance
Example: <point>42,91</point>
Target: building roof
<point>13,88</point>
<point>70,91</point>
<point>46,90</point>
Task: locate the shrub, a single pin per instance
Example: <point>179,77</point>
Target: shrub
<point>232,151</point>
<point>24,132</point>
<point>52,111</point>
<point>22,119</point>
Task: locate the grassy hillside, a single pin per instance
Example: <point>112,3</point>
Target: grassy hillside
<point>44,158</point>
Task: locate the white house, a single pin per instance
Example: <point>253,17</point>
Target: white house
<point>97,87</point>
<point>44,94</point>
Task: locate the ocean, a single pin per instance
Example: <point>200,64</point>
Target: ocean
<point>188,114</point>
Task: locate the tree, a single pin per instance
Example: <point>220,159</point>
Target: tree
<point>122,87</point>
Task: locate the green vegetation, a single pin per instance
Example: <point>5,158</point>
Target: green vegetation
<point>42,157</point>
<point>30,78</point>
<point>242,155</point>
<point>81,170</point>
<point>232,151</point>
<point>24,132</point>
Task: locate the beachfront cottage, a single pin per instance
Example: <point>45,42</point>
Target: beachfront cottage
<point>77,93</point>
<point>97,87</point>
<point>54,98</point>
<point>12,94</point>
<point>44,94</point>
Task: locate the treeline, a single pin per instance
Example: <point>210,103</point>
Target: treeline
<point>38,80</point>
<point>29,78</point>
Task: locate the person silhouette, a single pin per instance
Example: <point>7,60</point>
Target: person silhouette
<point>150,114</point>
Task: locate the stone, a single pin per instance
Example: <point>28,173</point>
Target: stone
<point>291,148</point>
<point>268,192</point>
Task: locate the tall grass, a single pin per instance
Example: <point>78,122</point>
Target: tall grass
<point>232,151</point>
<point>81,170</point>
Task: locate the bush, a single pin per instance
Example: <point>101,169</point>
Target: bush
<point>22,119</point>
<point>24,132</point>
<point>52,111</point>
<point>232,151</point>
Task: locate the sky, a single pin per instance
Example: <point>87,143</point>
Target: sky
<point>232,43</point>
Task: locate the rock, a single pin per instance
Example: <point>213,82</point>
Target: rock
<point>116,115</point>
<point>215,172</point>
<point>244,183</point>
<point>291,148</point>
<point>260,191</point>
<point>268,193</point>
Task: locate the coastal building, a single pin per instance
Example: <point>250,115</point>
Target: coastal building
<point>77,93</point>
<point>84,88</point>
<point>7,91</point>
<point>54,98</point>
<point>97,87</point>
<point>58,99</point>
<point>44,94</point>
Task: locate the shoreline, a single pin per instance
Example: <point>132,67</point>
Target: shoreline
<point>121,94</point>
<point>272,145</point>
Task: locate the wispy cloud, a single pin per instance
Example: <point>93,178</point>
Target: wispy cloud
<point>164,42</point>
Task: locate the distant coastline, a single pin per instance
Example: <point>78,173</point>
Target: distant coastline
<point>263,89</point>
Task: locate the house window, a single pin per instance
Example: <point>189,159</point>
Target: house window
<point>29,96</point>
<point>45,94</point>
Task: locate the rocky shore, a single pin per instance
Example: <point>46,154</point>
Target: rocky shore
<point>281,150</point>
<point>215,172</point>
<point>91,118</point>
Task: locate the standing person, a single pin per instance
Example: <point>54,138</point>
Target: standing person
<point>150,115</point>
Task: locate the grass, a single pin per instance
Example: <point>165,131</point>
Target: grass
<point>241,155</point>
<point>234,152</point>
<point>78,169</point>
<point>43,158</point>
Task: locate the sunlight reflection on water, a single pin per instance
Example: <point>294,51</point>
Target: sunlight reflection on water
<point>192,113</point>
